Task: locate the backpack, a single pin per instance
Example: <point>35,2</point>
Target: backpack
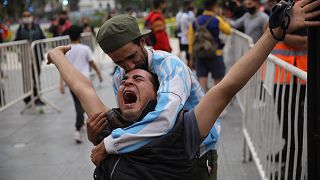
<point>204,44</point>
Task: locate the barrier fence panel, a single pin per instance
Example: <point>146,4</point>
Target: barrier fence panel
<point>15,73</point>
<point>273,105</point>
<point>87,38</point>
<point>47,77</point>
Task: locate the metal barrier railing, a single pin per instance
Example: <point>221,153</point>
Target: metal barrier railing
<point>24,73</point>
<point>88,39</point>
<point>15,73</point>
<point>47,76</point>
<point>274,118</point>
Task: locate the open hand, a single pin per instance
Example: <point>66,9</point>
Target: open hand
<point>302,14</point>
<point>54,54</point>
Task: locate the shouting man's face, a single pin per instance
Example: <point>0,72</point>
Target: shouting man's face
<point>135,91</point>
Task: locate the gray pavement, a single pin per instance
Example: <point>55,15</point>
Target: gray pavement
<point>36,147</point>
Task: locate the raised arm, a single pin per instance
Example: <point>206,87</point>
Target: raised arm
<point>217,98</point>
<point>77,82</point>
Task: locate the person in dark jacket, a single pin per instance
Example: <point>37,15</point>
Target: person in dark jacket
<point>31,31</point>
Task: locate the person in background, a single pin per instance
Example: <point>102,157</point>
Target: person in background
<point>187,17</point>
<point>268,6</point>
<point>28,30</point>
<point>215,66</point>
<point>85,21</point>
<point>234,9</point>
<point>80,56</point>
<point>156,22</point>
<point>53,29</point>
<point>254,21</point>
<point>178,29</point>
<point>3,33</point>
<point>60,25</point>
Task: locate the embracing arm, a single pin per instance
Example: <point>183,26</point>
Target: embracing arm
<point>217,98</point>
<point>78,83</point>
<point>173,92</point>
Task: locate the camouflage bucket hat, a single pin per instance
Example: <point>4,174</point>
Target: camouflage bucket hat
<point>118,31</point>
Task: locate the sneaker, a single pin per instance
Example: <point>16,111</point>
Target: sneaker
<point>77,137</point>
<point>39,102</point>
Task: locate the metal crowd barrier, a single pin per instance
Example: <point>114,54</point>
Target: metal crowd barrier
<point>274,118</point>
<point>87,38</point>
<point>15,73</point>
<point>235,46</point>
<point>24,72</point>
<point>47,77</point>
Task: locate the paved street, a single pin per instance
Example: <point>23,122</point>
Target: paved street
<point>36,147</point>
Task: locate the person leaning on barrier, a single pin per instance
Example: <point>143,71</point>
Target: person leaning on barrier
<point>292,50</point>
<point>216,98</point>
<point>31,31</point>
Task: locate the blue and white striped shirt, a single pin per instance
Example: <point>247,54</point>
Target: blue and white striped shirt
<point>179,89</point>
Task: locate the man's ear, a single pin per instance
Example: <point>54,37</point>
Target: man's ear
<point>142,42</point>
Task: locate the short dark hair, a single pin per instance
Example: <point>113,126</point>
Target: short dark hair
<point>186,5</point>
<point>208,4</point>
<point>157,3</point>
<point>154,80</point>
<point>63,12</point>
<point>74,32</point>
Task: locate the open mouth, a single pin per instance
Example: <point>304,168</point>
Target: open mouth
<point>129,97</point>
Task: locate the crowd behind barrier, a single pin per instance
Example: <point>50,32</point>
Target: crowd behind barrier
<point>274,115</point>
<point>18,61</point>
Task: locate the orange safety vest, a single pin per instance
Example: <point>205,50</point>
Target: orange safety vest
<point>294,56</point>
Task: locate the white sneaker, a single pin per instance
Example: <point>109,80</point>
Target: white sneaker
<point>77,137</point>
